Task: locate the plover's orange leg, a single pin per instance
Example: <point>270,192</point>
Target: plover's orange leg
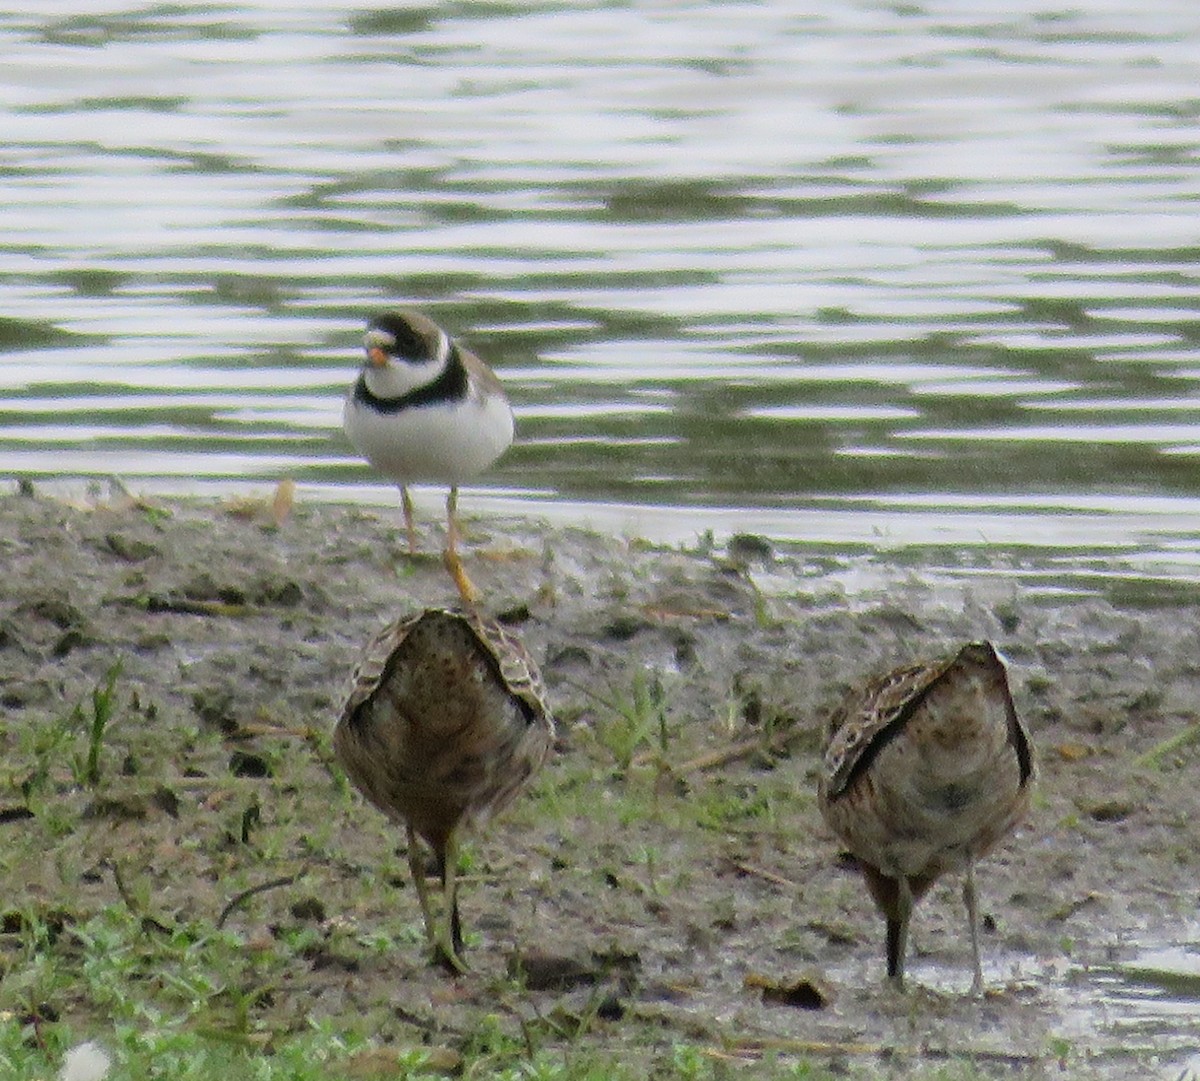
<point>466,588</point>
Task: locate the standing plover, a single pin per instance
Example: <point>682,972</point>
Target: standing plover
<point>426,409</point>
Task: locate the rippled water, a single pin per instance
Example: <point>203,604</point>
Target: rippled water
<point>1148,1003</point>
<point>873,277</point>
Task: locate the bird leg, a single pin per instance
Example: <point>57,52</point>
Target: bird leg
<point>466,588</point>
<point>969,898</point>
<point>416,864</point>
<point>897,931</point>
<point>410,528</point>
<point>450,937</point>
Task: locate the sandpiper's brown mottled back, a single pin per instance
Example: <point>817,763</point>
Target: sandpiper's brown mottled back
<point>926,769</point>
<point>445,724</point>
<point>426,409</point>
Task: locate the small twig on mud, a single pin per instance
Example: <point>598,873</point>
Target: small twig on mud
<point>721,756</point>
<point>127,898</point>
<point>186,607</point>
<point>262,887</point>
<point>591,692</point>
<point>724,755</point>
<point>764,874</point>
<point>753,1044</point>
<point>663,614</point>
<point>130,902</point>
<point>1152,759</point>
<point>773,740</point>
<point>754,1047</point>
<point>727,1043</point>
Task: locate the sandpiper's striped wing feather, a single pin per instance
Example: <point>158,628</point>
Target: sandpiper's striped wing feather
<point>446,720</point>
<point>868,712</point>
<point>514,664</point>
<point>367,674</point>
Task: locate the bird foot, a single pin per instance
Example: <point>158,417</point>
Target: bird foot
<point>449,961</point>
<point>466,588</point>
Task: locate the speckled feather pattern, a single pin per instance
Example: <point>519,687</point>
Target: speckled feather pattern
<point>928,766</point>
<point>866,713</point>
<point>445,722</point>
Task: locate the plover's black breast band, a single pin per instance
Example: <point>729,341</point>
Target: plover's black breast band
<point>450,386</point>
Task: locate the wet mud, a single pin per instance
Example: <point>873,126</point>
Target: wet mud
<point>667,881</point>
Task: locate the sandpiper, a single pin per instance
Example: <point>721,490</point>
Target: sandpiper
<point>426,409</point>
<point>445,724</point>
<point>926,769</point>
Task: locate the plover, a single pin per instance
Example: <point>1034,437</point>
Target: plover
<point>424,409</point>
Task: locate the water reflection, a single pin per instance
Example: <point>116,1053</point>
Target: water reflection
<point>878,277</point>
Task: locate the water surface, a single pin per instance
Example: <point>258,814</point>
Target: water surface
<point>886,276</point>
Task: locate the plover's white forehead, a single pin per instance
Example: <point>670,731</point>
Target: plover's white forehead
<point>375,338</point>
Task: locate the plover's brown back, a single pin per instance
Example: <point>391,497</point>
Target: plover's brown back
<point>926,769</point>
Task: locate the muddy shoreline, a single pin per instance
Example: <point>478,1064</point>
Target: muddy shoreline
<point>669,860</point>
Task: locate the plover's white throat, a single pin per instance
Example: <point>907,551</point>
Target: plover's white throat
<point>424,409</point>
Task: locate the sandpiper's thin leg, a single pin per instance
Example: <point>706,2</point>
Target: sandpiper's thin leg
<point>416,864</point>
<point>466,588</point>
<point>451,929</point>
<point>969,898</point>
<point>410,528</point>
<point>897,932</point>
